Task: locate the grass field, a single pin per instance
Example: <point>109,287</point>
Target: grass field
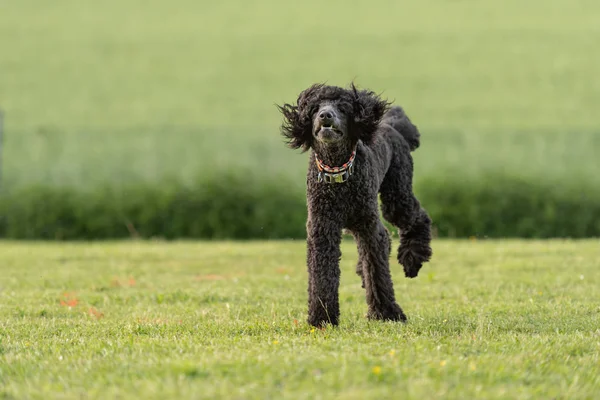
<point>490,319</point>
<point>127,90</point>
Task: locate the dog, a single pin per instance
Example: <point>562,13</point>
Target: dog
<point>360,146</point>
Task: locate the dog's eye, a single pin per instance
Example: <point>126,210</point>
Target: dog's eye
<point>313,110</point>
<point>346,108</point>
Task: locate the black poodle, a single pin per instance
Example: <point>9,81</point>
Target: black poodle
<point>360,147</point>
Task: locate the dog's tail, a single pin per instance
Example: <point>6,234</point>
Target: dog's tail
<point>397,118</point>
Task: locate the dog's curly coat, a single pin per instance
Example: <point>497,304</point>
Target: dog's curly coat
<point>333,122</point>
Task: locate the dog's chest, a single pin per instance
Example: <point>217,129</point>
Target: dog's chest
<point>345,202</point>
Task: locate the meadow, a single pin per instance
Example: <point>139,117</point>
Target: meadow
<point>487,319</point>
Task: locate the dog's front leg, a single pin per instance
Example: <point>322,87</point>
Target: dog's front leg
<point>374,250</point>
<point>323,259</point>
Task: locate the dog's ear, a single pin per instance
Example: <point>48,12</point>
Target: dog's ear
<point>369,108</point>
<point>292,128</point>
<point>297,120</point>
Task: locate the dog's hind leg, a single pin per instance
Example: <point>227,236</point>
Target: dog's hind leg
<point>359,271</point>
<point>359,264</point>
<point>415,244</point>
<point>402,209</point>
<point>374,245</point>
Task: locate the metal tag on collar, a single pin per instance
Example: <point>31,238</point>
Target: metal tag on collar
<point>334,178</point>
<point>339,177</point>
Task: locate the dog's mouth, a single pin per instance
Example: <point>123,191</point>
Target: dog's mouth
<point>329,134</point>
<point>328,127</point>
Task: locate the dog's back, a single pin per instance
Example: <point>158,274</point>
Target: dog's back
<point>397,119</point>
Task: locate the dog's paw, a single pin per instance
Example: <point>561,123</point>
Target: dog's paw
<point>322,324</point>
<point>411,260</point>
<point>412,272</point>
<point>390,313</point>
<point>411,265</point>
<point>321,321</point>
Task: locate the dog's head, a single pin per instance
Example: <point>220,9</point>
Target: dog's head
<point>329,114</point>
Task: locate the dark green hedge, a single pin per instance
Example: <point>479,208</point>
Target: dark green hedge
<point>235,208</point>
<point>228,208</point>
<point>506,206</point>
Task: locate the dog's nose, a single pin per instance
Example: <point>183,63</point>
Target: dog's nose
<point>326,114</point>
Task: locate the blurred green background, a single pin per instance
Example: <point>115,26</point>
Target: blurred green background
<point>121,93</point>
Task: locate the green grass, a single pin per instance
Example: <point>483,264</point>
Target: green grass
<point>491,319</point>
<point>127,90</point>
